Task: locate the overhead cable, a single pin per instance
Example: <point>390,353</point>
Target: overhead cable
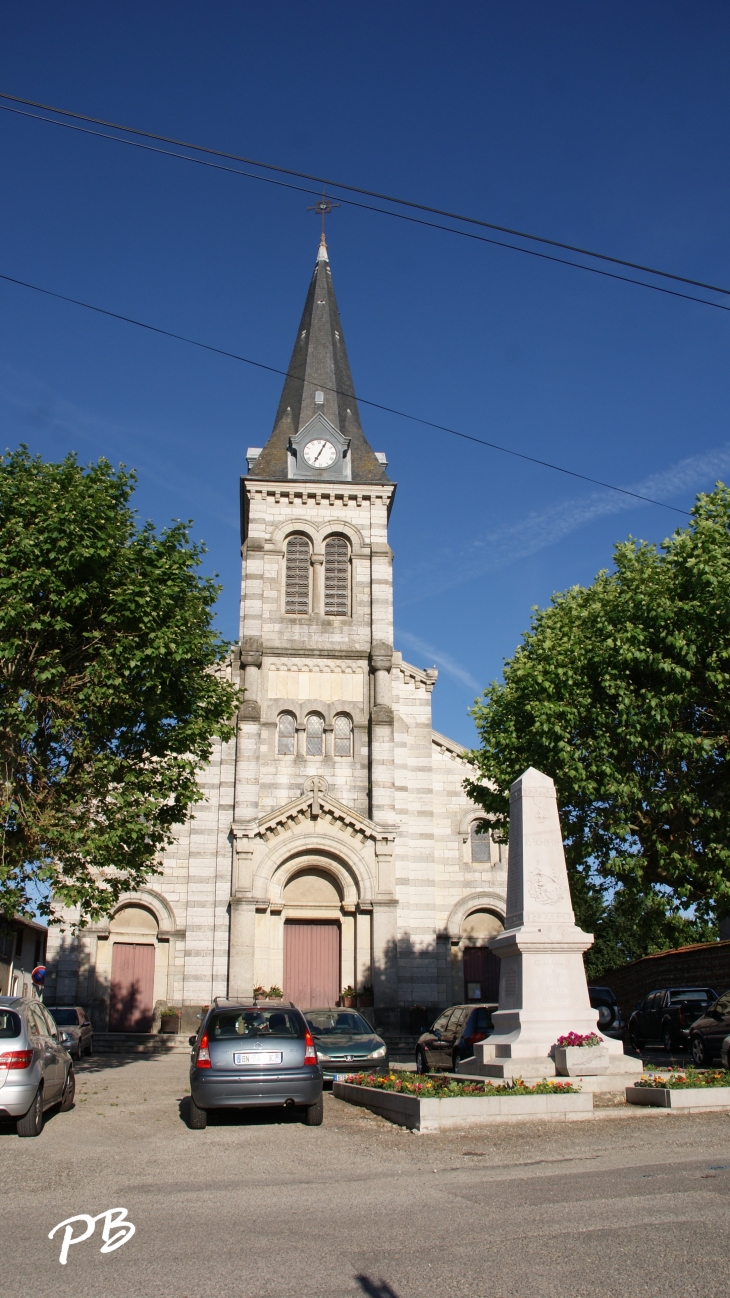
<point>375,405</point>
<point>368,207</point>
<point>370,193</point>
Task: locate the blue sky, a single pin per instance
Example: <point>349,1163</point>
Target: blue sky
<point>604,126</point>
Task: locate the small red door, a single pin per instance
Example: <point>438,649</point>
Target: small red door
<point>481,974</point>
<point>132,991</point>
<point>311,963</point>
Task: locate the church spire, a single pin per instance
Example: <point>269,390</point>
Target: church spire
<point>319,382</point>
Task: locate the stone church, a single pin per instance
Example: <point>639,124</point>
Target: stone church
<point>335,846</point>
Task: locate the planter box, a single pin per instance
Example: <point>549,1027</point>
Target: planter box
<point>170,1023</point>
<point>464,1110</point>
<point>692,1100</point>
<point>581,1061</point>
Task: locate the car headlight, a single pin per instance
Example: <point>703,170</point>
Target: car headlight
<point>379,1053</point>
<point>65,1038</point>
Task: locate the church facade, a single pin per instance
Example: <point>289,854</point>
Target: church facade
<point>336,846</point>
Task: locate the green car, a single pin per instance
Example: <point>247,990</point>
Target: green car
<point>346,1043</point>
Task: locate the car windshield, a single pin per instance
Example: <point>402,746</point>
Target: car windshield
<point>9,1024</point>
<point>332,1023</point>
<point>65,1018</point>
<point>254,1023</point>
<point>692,994</point>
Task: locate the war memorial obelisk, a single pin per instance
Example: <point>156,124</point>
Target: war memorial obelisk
<point>542,986</point>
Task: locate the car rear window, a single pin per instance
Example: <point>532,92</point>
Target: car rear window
<point>323,1023</point>
<point>235,1024</point>
<point>9,1025</point>
<point>64,1018</point>
<point>700,994</point>
<point>484,1020</point>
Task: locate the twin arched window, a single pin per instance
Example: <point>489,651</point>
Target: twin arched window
<point>297,598</point>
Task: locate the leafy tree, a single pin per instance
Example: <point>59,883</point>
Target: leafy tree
<point>109,692</point>
<point>621,693</point>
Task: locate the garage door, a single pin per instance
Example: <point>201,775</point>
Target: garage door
<point>311,963</point>
<point>132,990</point>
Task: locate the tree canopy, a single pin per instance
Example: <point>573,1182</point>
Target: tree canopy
<point>621,692</point>
<point>110,697</point>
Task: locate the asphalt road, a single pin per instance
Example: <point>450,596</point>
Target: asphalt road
<point>263,1207</point>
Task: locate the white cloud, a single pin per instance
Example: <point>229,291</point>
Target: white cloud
<point>545,527</point>
<point>441,659</point>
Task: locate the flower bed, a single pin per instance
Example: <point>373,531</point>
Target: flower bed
<point>441,1086</point>
<point>437,1103</point>
<point>575,1039</point>
<point>688,1090</point>
<point>687,1079</point>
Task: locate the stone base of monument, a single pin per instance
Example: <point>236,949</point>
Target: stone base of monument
<point>621,1071</point>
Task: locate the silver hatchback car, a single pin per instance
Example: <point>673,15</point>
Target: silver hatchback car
<point>248,1054</point>
<point>36,1071</point>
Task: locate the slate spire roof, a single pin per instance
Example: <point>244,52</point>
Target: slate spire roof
<point>319,364</point>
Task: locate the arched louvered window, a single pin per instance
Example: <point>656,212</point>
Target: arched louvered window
<point>480,842</point>
<point>287,734</point>
<point>343,736</point>
<point>297,575</point>
<point>336,577</point>
<point>315,733</point>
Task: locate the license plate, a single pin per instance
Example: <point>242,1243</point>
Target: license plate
<point>261,1057</point>
<point>341,1077</point>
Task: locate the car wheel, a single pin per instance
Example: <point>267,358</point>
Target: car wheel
<point>31,1123</point>
<point>197,1118</point>
<point>314,1113</point>
<point>699,1051</point>
<point>635,1043</point>
<point>421,1062</point>
<point>668,1039</point>
<point>90,1048</point>
<point>69,1092</point>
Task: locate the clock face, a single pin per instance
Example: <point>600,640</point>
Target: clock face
<point>319,453</point>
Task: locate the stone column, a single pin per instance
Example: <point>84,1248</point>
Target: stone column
<point>318,584</point>
<point>241,949</point>
<point>385,952</point>
<point>382,795</point>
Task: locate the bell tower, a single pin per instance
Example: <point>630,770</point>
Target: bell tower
<point>316,630</point>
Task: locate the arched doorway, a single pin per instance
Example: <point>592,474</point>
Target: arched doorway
<point>312,939</point>
<point>133,932</point>
<point>481,966</point>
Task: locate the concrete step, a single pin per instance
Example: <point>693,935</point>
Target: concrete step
<point>141,1043</point>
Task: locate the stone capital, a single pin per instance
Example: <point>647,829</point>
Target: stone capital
<point>251,651</point>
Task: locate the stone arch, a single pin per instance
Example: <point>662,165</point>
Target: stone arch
<point>485,899</point>
<point>318,533</point>
<point>356,875</point>
<point>150,900</point>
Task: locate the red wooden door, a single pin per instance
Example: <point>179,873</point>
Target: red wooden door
<point>311,963</point>
<point>132,991</point>
<point>481,974</point>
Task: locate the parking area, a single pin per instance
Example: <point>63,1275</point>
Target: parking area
<point>260,1206</point>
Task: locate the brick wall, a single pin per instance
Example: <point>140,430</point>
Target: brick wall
<point>706,964</point>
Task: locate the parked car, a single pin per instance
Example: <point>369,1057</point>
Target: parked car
<point>453,1036</point>
<point>609,1020</point>
<point>77,1032</point>
<point>36,1070</point>
<point>707,1034</point>
<point>346,1043</point>
<point>666,1016</point>
<point>253,1055</point>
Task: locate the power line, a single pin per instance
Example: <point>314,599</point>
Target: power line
<point>368,207</point>
<point>369,193</point>
<point>375,405</point>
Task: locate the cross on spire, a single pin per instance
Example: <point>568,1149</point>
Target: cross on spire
<point>323,206</point>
